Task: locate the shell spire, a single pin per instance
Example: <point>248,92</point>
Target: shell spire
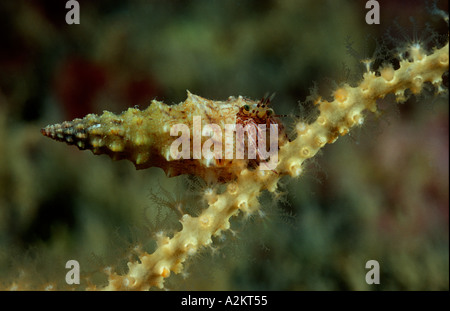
<point>73,132</point>
<point>143,137</point>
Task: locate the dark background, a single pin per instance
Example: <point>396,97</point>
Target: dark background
<point>380,193</point>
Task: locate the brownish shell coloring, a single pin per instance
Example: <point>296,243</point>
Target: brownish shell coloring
<point>143,137</point>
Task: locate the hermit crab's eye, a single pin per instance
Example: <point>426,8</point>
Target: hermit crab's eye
<point>247,107</point>
<point>269,112</point>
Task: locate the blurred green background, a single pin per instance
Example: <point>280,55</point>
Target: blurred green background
<point>380,193</point>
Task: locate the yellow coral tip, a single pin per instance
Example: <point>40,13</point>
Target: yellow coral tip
<point>165,272</point>
<point>387,73</point>
<point>304,152</point>
<point>295,169</point>
<point>443,59</point>
<point>341,95</point>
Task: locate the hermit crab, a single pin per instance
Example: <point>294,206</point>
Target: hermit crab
<point>146,137</point>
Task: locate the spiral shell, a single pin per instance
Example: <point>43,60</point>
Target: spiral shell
<point>143,137</point>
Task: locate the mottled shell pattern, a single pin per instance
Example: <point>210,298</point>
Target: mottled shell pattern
<point>143,137</point>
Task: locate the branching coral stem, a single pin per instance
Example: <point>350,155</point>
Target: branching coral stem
<point>336,118</point>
